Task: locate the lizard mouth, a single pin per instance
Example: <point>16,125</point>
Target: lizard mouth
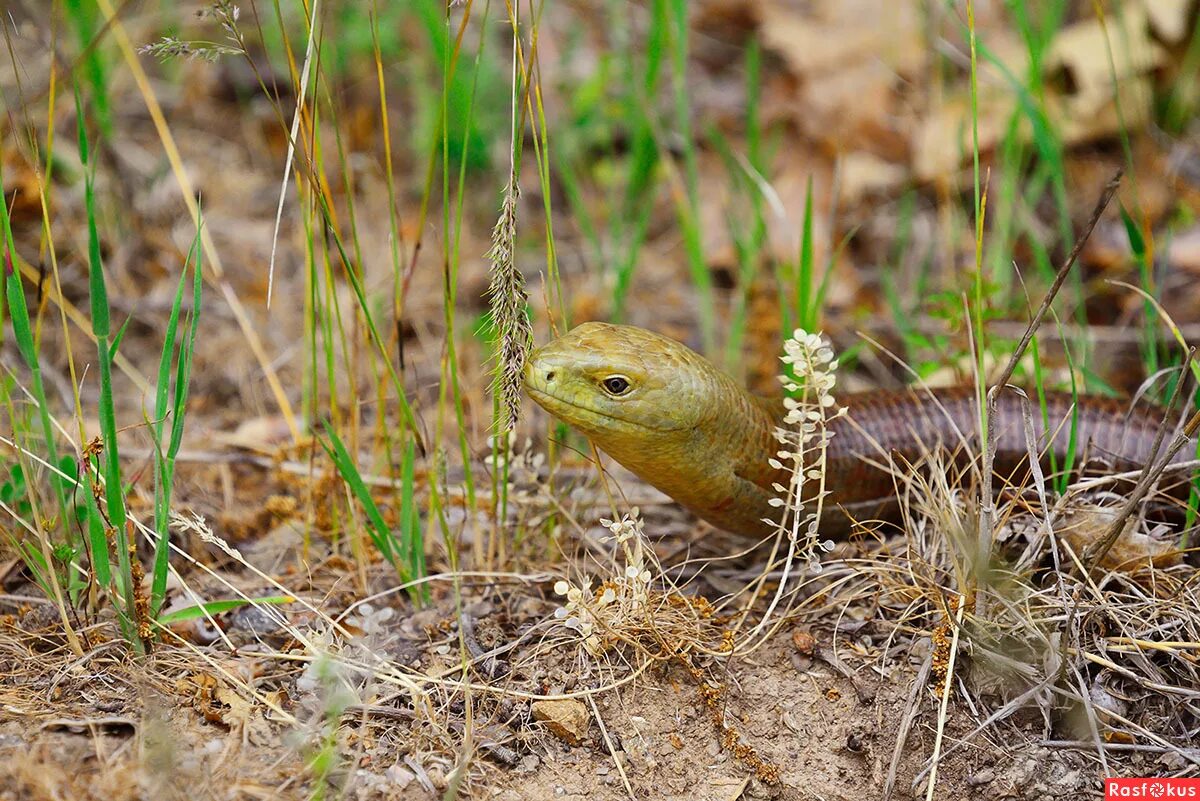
<point>582,417</point>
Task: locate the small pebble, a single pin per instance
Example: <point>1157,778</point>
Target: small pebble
<point>981,778</point>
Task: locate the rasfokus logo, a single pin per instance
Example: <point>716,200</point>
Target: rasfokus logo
<point>1152,789</point>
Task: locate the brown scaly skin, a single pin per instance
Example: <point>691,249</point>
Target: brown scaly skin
<point>676,421</point>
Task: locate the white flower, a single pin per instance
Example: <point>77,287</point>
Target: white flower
<point>625,529</point>
<point>633,573</point>
<point>804,436</point>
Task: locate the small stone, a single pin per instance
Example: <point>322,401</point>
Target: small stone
<point>727,788</point>
<point>981,778</point>
<point>399,777</point>
<point>1069,779</point>
<point>804,642</point>
<point>566,718</point>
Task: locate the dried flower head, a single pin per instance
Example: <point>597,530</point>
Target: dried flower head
<point>622,600</point>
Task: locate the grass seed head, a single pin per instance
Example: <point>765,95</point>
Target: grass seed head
<point>508,306</point>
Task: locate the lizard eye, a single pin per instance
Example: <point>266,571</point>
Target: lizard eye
<point>615,385</point>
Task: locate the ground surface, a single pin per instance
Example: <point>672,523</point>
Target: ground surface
<point>831,736</point>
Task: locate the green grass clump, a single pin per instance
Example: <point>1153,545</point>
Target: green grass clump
<point>403,548</point>
<point>88,537</point>
<point>49,542</point>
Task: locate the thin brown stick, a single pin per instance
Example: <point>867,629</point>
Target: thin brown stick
<point>912,709</point>
<point>1106,197</point>
<point>987,507</point>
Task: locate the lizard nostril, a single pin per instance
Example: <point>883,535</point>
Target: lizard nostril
<point>550,376</point>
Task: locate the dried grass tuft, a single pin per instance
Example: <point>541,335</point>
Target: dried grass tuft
<point>1109,659</point>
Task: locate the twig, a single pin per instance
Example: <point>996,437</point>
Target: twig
<point>910,715</point>
<point>90,724</point>
<point>1106,197</point>
<point>1093,721</point>
<point>611,748</point>
<point>1084,745</point>
<point>21,600</point>
<point>1116,478</point>
<point>987,509</point>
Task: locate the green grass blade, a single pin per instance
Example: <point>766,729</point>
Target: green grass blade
<point>82,14</point>
<point>114,489</point>
<point>805,267</point>
<point>97,541</point>
<point>211,608</point>
<point>378,530</point>
<point>27,347</point>
<point>412,540</point>
<point>1140,250</point>
<point>175,409</point>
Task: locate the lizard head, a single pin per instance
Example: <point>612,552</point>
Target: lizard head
<point>619,384</point>
<point>665,413</point>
